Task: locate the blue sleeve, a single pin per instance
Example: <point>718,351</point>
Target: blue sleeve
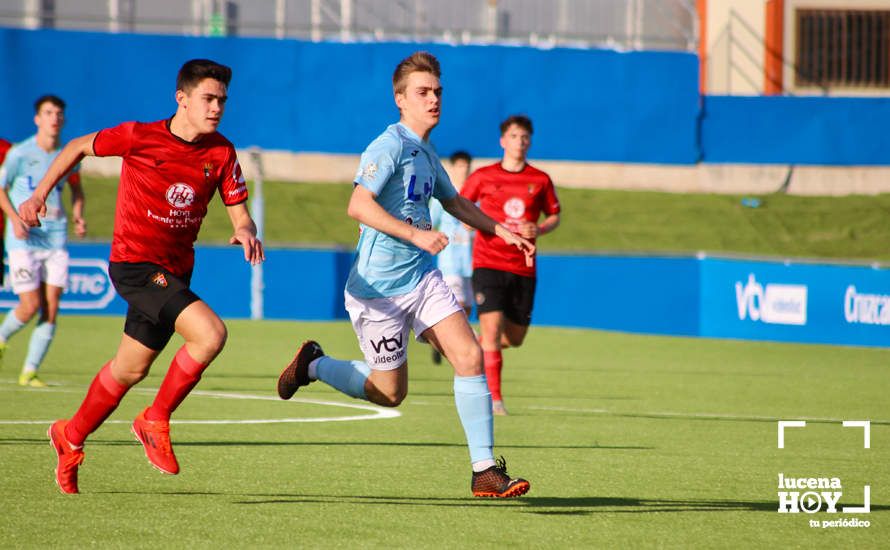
<point>443,190</point>
<point>378,163</point>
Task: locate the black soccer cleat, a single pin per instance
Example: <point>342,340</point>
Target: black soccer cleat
<point>494,482</point>
<point>296,374</point>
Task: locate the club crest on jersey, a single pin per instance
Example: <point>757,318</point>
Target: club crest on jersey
<point>180,195</point>
<point>159,279</point>
<point>514,208</point>
<point>369,172</point>
<point>208,167</point>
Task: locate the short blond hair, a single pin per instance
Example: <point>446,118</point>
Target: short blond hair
<point>417,62</point>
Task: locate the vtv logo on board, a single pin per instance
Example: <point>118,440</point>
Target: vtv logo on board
<point>774,303</point>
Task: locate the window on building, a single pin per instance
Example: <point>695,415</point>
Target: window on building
<point>843,48</point>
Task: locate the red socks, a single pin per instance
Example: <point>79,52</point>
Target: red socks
<point>181,378</point>
<point>102,398</point>
<point>493,365</point>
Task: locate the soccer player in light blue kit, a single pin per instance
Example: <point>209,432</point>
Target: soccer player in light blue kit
<point>38,258</point>
<point>456,261</point>
<point>393,286</point>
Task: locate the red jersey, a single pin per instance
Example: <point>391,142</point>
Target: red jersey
<point>165,186</point>
<point>509,198</point>
<point>4,148</point>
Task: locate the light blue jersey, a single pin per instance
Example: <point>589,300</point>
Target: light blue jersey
<point>25,165</point>
<point>403,172</point>
<point>457,258</point>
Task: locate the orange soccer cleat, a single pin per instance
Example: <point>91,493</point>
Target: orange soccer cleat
<point>155,438</point>
<point>69,458</point>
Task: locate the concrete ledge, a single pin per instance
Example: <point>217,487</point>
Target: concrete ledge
<point>700,178</point>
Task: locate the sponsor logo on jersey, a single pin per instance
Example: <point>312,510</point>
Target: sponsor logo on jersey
<point>237,173</point>
<point>388,344</point>
<point>180,195</point>
<point>514,207</point>
<point>159,279</point>
<point>208,167</point>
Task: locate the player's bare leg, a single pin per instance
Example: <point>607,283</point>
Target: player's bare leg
<point>454,336</point>
<point>387,388</point>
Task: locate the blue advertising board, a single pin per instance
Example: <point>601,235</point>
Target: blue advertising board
<point>684,296</point>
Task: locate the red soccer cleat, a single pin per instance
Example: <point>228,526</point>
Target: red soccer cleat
<point>69,459</point>
<point>155,438</point>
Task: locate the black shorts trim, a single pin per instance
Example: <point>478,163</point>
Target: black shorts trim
<point>512,294</point>
<point>155,297</point>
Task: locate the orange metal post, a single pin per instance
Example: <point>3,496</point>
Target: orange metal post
<point>773,54</point>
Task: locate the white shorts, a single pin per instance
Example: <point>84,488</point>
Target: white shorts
<point>382,324</point>
<point>28,268</point>
<point>462,288</point>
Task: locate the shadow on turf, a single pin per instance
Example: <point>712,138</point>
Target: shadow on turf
<point>113,442</point>
<point>549,505</point>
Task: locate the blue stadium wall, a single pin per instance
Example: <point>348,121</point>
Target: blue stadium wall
<point>335,97</point>
<point>678,296</point>
<point>588,105</point>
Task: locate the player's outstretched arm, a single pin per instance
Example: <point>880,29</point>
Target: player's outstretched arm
<point>245,233</point>
<point>461,208</point>
<point>77,205</point>
<point>68,157</point>
<point>364,208</point>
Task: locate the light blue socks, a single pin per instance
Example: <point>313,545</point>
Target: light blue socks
<point>473,401</point>
<point>347,376</point>
<point>41,338</point>
<point>10,326</point>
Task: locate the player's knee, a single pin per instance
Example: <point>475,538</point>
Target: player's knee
<point>468,362</point>
<point>131,376</point>
<point>515,340</point>
<point>212,340</point>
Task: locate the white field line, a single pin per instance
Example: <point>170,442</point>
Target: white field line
<point>378,413</point>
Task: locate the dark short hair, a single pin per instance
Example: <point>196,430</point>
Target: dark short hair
<point>461,155</point>
<point>48,98</point>
<point>194,71</point>
<point>519,120</point>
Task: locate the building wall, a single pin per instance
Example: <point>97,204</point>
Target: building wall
<point>735,32</point>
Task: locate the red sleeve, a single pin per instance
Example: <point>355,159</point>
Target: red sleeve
<point>232,188</point>
<point>114,142</point>
<point>470,189</point>
<point>74,178</point>
<point>551,201</point>
<point>4,147</point>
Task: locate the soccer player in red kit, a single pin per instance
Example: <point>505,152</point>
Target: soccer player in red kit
<point>515,194</point>
<point>171,170</point>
